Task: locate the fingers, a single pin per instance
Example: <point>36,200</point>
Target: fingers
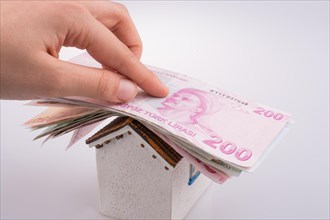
<point>77,80</point>
<point>116,18</point>
<point>107,49</point>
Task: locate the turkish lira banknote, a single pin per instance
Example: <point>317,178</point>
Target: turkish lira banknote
<point>220,132</point>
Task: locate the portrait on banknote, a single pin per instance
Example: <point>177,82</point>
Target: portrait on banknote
<point>190,107</point>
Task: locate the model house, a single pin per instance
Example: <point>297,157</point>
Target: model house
<point>142,177</point>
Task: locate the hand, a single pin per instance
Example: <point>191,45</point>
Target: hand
<point>33,32</point>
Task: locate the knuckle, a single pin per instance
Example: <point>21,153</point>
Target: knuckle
<point>77,23</point>
<point>105,88</point>
<point>121,8</point>
<point>128,60</point>
<point>120,13</point>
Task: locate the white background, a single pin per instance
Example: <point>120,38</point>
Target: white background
<point>275,52</point>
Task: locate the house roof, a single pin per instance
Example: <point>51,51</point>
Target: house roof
<point>160,146</point>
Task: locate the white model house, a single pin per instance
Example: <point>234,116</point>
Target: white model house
<point>140,176</point>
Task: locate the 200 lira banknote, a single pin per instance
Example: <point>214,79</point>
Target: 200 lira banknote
<point>222,130</point>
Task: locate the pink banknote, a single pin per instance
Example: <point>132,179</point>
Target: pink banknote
<point>215,123</point>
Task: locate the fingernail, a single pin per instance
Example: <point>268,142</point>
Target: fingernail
<point>127,90</point>
<point>166,90</point>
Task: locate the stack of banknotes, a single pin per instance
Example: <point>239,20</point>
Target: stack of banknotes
<point>220,133</point>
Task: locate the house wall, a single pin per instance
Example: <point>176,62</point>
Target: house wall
<point>133,184</point>
<point>184,196</point>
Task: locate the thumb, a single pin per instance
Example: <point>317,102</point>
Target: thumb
<point>77,80</point>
